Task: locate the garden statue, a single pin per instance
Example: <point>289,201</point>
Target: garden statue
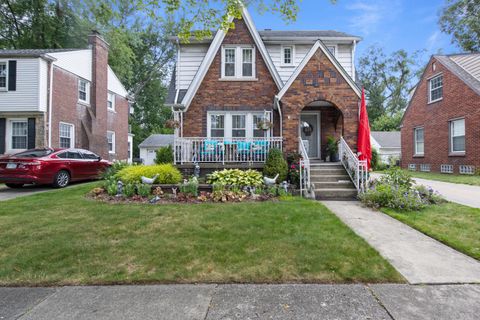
<point>119,188</point>
<point>269,181</point>
<point>154,199</point>
<point>196,170</point>
<point>285,186</point>
<point>174,192</point>
<point>149,180</point>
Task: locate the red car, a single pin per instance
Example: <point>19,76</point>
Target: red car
<point>50,166</point>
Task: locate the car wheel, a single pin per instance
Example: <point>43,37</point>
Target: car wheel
<point>62,179</point>
<point>14,185</point>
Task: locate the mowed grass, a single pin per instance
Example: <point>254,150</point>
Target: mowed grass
<point>453,224</point>
<point>62,238</point>
<point>473,180</point>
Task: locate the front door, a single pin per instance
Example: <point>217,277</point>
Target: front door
<point>310,133</point>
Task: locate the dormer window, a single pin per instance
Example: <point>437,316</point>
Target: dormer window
<point>238,62</point>
<point>287,55</point>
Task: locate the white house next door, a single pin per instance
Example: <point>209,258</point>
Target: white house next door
<point>310,133</point>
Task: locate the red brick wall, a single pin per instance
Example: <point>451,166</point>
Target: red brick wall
<point>215,94</point>
<point>118,122</point>
<point>319,80</point>
<point>458,101</point>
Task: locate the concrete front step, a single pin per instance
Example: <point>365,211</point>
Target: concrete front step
<point>335,194</point>
<point>329,177</point>
<point>334,185</point>
<point>329,171</point>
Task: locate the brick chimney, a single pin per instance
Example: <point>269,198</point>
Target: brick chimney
<point>98,94</point>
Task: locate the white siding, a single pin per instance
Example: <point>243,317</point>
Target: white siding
<point>77,62</point>
<point>189,60</point>
<point>43,85</point>
<point>344,56</point>
<point>26,96</point>
<point>114,85</point>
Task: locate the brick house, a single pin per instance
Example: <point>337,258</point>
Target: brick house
<point>440,129</point>
<point>238,94</point>
<point>66,98</point>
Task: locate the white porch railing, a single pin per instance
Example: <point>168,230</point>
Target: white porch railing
<point>305,183</point>
<point>224,150</point>
<point>356,169</point>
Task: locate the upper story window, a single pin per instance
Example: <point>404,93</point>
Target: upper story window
<point>111,141</point>
<point>3,75</point>
<point>435,88</point>
<point>419,141</point>
<point>238,62</point>
<point>84,91</point>
<point>111,101</point>
<point>332,49</point>
<point>457,136</point>
<point>287,55</point>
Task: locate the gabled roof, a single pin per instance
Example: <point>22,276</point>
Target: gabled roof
<point>212,51</point>
<point>314,34</point>
<point>157,140</point>
<point>31,52</point>
<point>465,66</point>
<point>387,139</point>
<point>319,45</point>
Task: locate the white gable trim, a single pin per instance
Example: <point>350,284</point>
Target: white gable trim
<point>301,66</point>
<point>212,51</point>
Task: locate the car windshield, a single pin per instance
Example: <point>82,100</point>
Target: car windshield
<point>34,153</point>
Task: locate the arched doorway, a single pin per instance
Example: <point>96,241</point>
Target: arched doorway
<point>319,121</point>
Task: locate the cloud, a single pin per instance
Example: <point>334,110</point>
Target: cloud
<point>369,14</point>
<point>436,41</point>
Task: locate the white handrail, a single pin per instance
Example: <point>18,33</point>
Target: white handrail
<point>356,169</point>
<point>304,169</point>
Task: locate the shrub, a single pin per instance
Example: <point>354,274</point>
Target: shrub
<point>275,164</point>
<point>374,162</point>
<point>236,177</point>
<point>144,190</point>
<point>190,187</point>
<point>114,169</point>
<point>129,190</point>
<point>167,174</point>
<point>112,188</point>
<point>164,155</point>
<point>397,177</point>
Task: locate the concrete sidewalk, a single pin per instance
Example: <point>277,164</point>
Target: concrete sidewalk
<point>200,302</point>
<point>419,258</point>
<point>455,192</point>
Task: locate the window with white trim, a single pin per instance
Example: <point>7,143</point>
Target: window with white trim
<point>3,75</point>
<point>217,125</point>
<point>19,134</point>
<point>238,124</point>
<point>84,90</point>
<point>111,141</point>
<point>287,55</point>
<point>457,136</point>
<point>238,62</point>
<point>66,135</point>
<point>111,101</point>
<point>419,141</point>
<point>435,88</point>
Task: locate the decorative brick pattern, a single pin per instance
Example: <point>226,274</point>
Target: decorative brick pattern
<point>458,101</point>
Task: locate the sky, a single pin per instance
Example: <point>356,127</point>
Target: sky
<point>392,24</point>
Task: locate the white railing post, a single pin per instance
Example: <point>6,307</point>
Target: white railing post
<point>304,169</point>
<point>356,169</point>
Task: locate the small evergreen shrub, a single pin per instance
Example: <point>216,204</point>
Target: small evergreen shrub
<point>167,174</point>
<point>144,190</point>
<point>129,190</point>
<point>111,171</point>
<point>275,164</point>
<point>164,155</point>
<point>236,177</point>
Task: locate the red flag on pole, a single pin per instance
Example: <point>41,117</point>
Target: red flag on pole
<point>364,147</point>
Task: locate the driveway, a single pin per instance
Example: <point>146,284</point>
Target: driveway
<point>209,302</point>
<point>7,193</point>
<point>453,192</point>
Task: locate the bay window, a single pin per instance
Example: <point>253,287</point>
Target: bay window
<point>457,136</point>
<point>238,62</point>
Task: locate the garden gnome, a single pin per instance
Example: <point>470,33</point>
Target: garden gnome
<point>119,188</point>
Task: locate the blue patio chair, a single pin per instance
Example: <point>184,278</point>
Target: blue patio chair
<point>243,150</point>
<point>210,151</point>
<point>260,149</point>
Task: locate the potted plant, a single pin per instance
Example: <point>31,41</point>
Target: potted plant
<point>264,125</point>
<point>332,149</point>
<point>172,124</point>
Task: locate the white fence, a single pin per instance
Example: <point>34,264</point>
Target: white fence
<point>224,150</point>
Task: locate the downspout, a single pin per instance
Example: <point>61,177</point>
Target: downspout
<point>50,106</point>
<point>353,59</point>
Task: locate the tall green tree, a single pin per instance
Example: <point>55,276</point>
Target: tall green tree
<point>461,19</point>
<point>388,81</point>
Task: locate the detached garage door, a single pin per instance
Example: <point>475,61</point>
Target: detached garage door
<point>150,158</point>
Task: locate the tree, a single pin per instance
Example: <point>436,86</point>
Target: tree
<point>388,81</point>
<point>461,19</point>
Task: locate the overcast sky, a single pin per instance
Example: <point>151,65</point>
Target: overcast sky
<point>392,24</point>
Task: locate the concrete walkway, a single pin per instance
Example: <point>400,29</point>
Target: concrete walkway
<point>207,302</point>
<point>455,192</point>
<point>419,258</point>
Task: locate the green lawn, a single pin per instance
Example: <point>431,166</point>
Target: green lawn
<point>453,224</point>
<point>61,238</point>
<point>473,180</point>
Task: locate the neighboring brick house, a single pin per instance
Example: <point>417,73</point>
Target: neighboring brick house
<point>66,98</point>
<point>441,126</point>
<point>241,90</point>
